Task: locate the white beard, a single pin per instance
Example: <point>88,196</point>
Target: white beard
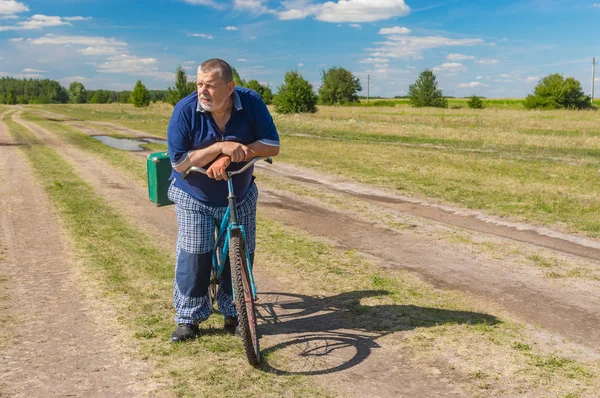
<point>211,106</point>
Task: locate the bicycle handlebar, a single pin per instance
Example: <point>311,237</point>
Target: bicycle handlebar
<point>229,173</point>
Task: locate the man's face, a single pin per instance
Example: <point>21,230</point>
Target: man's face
<point>213,92</point>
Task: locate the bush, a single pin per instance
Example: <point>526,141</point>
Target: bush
<point>295,95</point>
<point>424,92</point>
<point>77,93</point>
<point>339,87</point>
<point>475,103</point>
<point>555,92</point>
<point>265,92</point>
<point>140,95</point>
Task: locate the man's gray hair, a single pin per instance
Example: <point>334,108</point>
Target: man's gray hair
<point>219,65</point>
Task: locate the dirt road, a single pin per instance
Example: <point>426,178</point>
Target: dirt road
<point>60,343</point>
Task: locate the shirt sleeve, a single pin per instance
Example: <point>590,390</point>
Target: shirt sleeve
<point>265,130</point>
<point>178,139</point>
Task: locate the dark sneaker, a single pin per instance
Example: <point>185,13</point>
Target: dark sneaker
<point>184,332</point>
<point>231,325</point>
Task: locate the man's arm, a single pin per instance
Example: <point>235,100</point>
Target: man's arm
<point>201,157</point>
<point>258,148</point>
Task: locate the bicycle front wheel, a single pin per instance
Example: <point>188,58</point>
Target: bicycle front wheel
<point>243,297</point>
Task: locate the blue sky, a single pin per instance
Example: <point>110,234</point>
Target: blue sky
<point>491,48</point>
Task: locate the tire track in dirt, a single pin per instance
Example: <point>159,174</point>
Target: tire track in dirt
<point>388,376</point>
<point>446,214</point>
<point>56,347</point>
<point>571,310</point>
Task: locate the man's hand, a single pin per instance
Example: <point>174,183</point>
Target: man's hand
<point>236,151</point>
<point>216,171</point>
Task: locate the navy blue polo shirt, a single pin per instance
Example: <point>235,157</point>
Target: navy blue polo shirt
<point>191,127</point>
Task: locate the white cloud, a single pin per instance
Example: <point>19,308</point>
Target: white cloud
<point>492,44</point>
<point>92,41</point>
<point>12,7</point>
<point>373,60</point>
<point>471,85</point>
<point>242,60</point>
<point>36,22</point>
<point>458,57</point>
<point>134,65</point>
<point>16,39</point>
<point>99,50</point>
<point>355,25</point>
<point>210,37</point>
<point>479,77</point>
<point>31,70</point>
<point>398,46</point>
<point>9,17</point>
<point>595,5</point>
<point>381,66</point>
<point>533,78</point>
<point>77,18</point>
<point>487,61</point>
<point>504,76</point>
<point>396,30</point>
<point>300,64</point>
<point>450,67</point>
<point>254,6</point>
<point>344,10</point>
<point>232,28</point>
<point>210,3</point>
<point>505,39</point>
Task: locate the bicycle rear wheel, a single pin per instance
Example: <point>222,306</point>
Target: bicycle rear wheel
<point>243,297</point>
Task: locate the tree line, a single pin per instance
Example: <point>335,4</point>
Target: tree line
<point>338,87</point>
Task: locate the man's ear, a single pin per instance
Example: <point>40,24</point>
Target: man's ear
<point>230,87</point>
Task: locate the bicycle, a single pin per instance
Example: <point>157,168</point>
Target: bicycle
<point>234,247</point>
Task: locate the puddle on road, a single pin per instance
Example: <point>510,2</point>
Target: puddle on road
<point>127,144</point>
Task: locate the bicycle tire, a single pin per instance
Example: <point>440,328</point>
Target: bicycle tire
<point>212,286</point>
<point>243,297</point>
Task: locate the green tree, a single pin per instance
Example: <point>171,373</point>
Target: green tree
<point>181,89</point>
<point>265,92</point>
<point>100,97</point>
<point>237,79</point>
<point>77,93</point>
<point>554,92</point>
<point>475,102</point>
<point>295,95</point>
<point>339,87</point>
<point>425,92</point>
<point>124,97</point>
<point>140,96</point>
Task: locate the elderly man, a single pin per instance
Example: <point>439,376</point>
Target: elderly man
<point>218,127</point>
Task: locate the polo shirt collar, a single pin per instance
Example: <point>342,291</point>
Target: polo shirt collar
<point>237,103</point>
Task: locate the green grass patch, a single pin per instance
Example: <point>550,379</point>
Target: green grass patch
<point>137,277</point>
<point>527,189</point>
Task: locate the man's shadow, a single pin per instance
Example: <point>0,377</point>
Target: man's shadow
<point>330,334</point>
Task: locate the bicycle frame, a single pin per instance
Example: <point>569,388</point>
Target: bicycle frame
<point>229,224</point>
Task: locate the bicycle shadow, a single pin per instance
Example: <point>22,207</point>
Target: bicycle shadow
<point>329,334</point>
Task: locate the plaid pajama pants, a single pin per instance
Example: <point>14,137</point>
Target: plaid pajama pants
<point>195,244</point>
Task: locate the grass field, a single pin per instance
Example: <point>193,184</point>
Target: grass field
<point>488,355</point>
<point>535,166</point>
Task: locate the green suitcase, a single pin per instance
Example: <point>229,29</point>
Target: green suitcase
<point>159,171</point>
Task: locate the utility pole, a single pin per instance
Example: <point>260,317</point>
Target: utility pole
<point>369,83</point>
<point>593,77</point>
